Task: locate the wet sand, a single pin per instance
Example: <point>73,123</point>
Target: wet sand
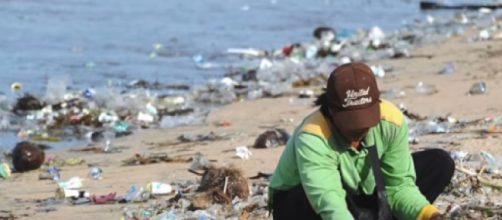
<point>474,62</point>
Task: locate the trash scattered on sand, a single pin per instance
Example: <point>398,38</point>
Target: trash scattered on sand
<point>5,171</point>
<point>272,138</point>
<point>138,159</point>
<point>243,152</point>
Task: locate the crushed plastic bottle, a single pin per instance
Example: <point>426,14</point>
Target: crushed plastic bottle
<point>54,172</point>
<point>96,173</point>
<point>199,162</point>
<point>394,93</point>
<point>478,88</point>
<point>425,89</point>
<point>449,68</point>
<point>108,139</point>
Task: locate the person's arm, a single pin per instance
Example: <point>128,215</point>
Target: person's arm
<point>320,177</point>
<point>404,197</point>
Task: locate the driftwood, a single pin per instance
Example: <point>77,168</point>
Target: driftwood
<point>481,180</point>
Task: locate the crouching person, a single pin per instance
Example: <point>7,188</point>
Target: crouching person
<point>350,159</point>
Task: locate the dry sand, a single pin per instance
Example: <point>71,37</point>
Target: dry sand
<point>474,62</point>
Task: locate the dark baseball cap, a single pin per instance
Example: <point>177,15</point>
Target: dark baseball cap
<point>353,97</point>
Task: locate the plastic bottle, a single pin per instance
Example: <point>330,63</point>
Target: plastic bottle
<point>478,88</point>
<point>425,89</point>
<point>96,173</point>
<point>54,172</point>
<point>393,93</point>
<point>449,68</point>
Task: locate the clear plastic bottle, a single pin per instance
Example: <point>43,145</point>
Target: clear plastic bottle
<point>425,89</point>
<point>478,88</point>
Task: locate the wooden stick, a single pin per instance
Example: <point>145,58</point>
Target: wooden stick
<point>482,180</point>
<point>225,186</point>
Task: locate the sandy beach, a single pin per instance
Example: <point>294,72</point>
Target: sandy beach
<point>474,62</point>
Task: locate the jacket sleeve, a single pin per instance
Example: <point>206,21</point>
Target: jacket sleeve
<point>320,177</point>
<point>404,197</point>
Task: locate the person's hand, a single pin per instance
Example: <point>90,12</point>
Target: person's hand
<point>437,216</point>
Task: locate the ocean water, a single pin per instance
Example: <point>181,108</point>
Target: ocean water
<point>94,41</point>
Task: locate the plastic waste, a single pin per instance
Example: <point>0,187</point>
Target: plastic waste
<point>56,88</point>
<point>243,152</point>
<point>121,128</point>
<point>199,162</point>
<point>378,71</point>
<point>484,35</point>
<point>173,121</point>
<point>54,173</point>
<point>254,94</point>
<point>251,52</point>
<point>158,188</point>
<point>311,52</point>
<point>89,93</point>
<point>459,155</point>
<point>449,68</point>
<point>131,193</point>
<point>345,60</point>
<point>394,93</point>
<point>461,18</point>
<point>265,64</point>
<point>71,193</point>
<point>72,183</point>
<point>425,89</point>
<point>135,194</point>
<point>306,93</point>
<point>16,87</point>
<point>490,161</point>
<point>376,36</point>
<point>96,173</point>
<point>104,199</point>
<point>201,63</point>
<point>170,215</point>
<point>145,117</point>
<point>478,88</point>
<point>107,142</point>
<point>5,170</point>
<point>108,117</point>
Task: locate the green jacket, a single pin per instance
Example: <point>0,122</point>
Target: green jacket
<point>319,158</point>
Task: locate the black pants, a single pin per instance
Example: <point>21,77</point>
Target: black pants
<point>434,169</point>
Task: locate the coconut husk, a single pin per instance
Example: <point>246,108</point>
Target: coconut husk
<point>204,200</point>
<point>27,103</point>
<point>246,211</point>
<point>213,188</point>
<point>27,156</point>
